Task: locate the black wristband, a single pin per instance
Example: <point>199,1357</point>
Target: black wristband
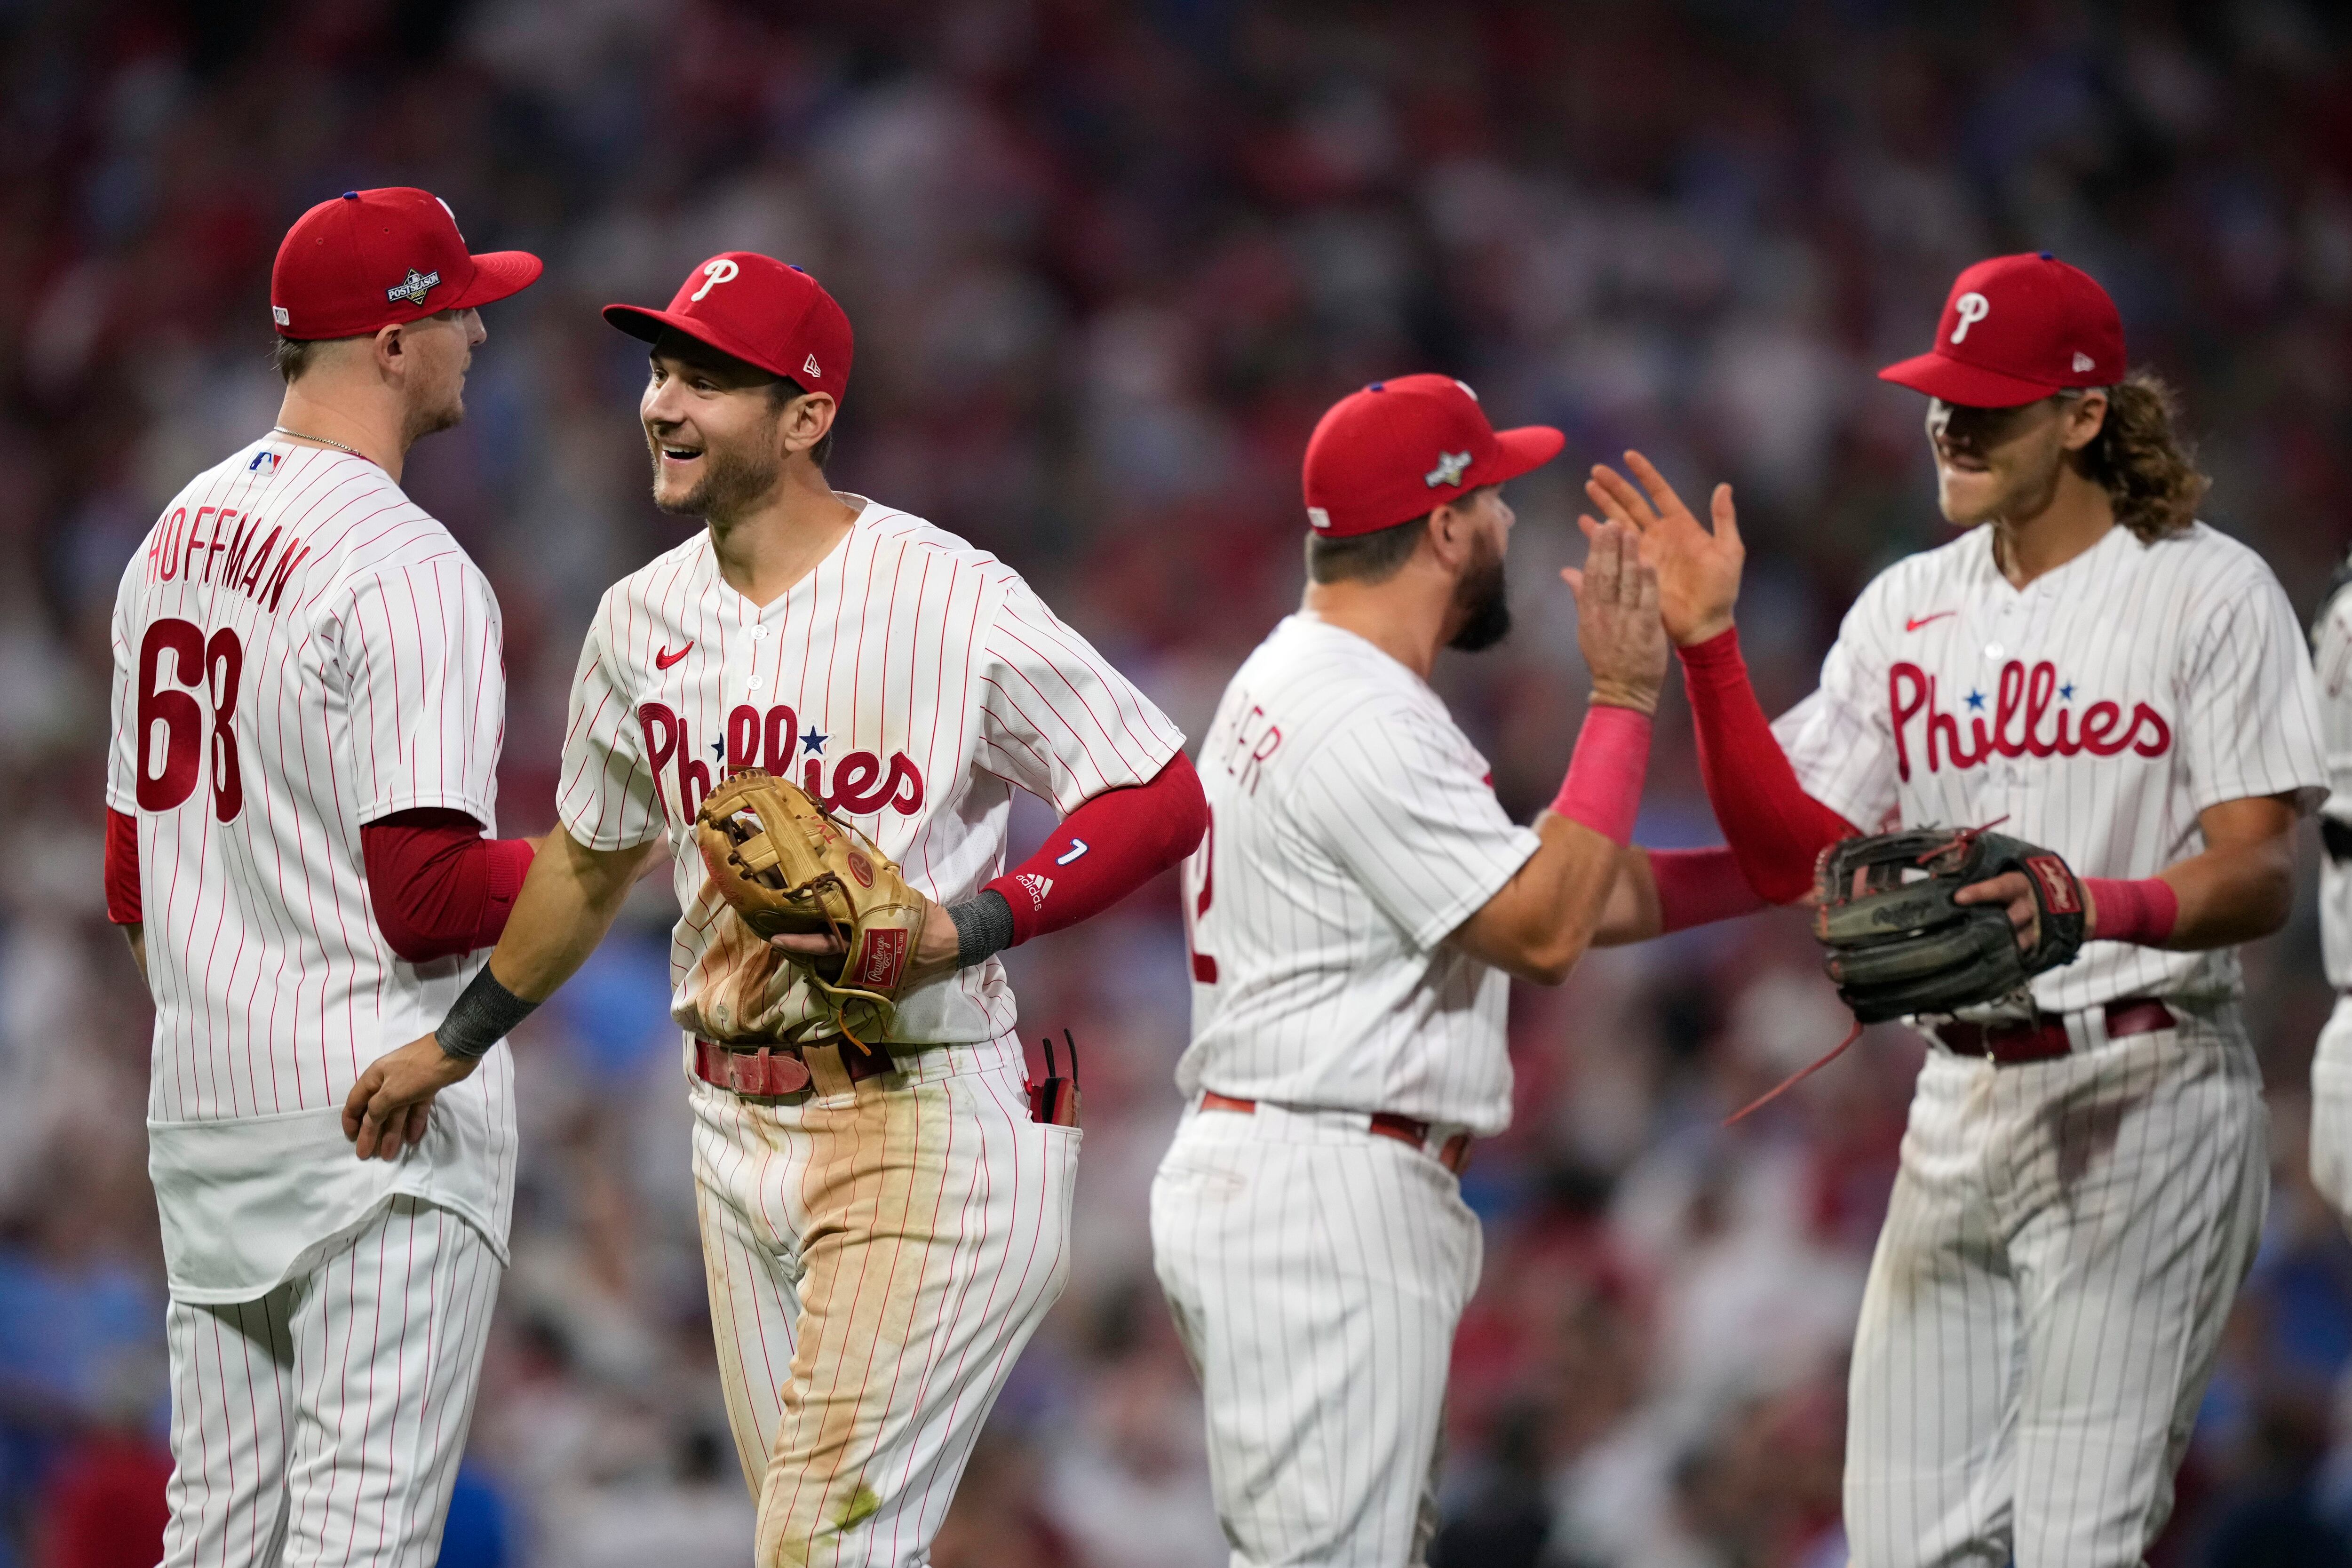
<point>484,1014</point>
<point>984,925</point>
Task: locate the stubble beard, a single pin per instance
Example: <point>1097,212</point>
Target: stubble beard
<point>2026,491</point>
<point>730,484</point>
<point>444,414</point>
<point>1482,598</point>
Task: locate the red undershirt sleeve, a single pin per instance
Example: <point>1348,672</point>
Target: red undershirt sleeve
<point>122,905</point>
<point>1110,846</point>
<point>1699,886</point>
<point>1775,829</point>
<point>438,887</point>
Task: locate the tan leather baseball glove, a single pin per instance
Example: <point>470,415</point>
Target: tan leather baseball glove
<point>784,864</point>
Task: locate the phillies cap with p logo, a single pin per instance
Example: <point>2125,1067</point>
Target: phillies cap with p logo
<point>374,259</point>
<point>2017,329</point>
<point>764,311</point>
<point>1401,448</point>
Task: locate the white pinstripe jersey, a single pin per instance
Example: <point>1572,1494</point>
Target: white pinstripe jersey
<point>1353,828</point>
<point>299,649</point>
<point>2332,652</point>
<point>909,681</point>
<point>2096,710</point>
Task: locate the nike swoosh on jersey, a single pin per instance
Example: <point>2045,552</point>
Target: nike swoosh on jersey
<point>1911,626</point>
<point>665,659</point>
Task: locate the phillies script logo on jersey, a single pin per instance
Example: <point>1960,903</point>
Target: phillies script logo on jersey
<point>2030,715</point>
<point>860,782</point>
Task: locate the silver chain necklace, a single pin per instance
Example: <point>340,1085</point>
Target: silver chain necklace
<point>338,446</point>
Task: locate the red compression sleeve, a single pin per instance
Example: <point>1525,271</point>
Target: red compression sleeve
<point>1105,849</point>
<point>1776,830</point>
<point>1699,886</point>
<point>123,906</point>
<point>438,887</point>
<point>2143,911</point>
<point>1603,787</point>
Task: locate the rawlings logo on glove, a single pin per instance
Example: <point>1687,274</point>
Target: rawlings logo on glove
<point>787,866</point>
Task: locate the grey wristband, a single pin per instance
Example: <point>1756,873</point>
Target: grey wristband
<point>484,1014</point>
<point>984,925</point>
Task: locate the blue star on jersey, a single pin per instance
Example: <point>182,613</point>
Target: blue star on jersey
<point>813,743</point>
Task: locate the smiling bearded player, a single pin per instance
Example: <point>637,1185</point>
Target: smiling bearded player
<point>2084,1175</point>
<point>884,1210</point>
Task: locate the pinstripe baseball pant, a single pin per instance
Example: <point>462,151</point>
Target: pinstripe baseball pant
<point>877,1253</point>
<point>324,1422</point>
<point>2331,1110</point>
<point>2048,1295</point>
<point>1316,1273</point>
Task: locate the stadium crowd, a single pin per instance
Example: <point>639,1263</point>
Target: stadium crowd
<point>1107,263</point>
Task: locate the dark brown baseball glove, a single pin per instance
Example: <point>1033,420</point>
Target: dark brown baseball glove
<point>1899,945</point>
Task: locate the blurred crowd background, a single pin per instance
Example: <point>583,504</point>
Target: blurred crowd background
<point>1107,263</point>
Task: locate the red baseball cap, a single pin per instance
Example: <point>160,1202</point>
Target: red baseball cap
<point>1398,449</point>
<point>764,311</point>
<point>2015,329</point>
<point>370,258</point>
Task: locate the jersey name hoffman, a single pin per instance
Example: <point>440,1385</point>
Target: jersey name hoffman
<point>251,563</point>
<point>2032,714</point>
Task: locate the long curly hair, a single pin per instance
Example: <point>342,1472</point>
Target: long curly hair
<point>2142,460</point>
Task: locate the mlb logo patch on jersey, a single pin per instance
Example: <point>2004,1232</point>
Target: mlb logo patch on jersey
<point>264,463</point>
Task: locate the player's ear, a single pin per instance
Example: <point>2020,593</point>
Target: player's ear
<point>2085,417</point>
<point>805,421</point>
<point>1452,528</point>
<point>391,350</point>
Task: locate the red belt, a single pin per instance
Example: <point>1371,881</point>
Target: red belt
<point>765,1071</point>
<point>2006,1045</point>
<point>1385,1123</point>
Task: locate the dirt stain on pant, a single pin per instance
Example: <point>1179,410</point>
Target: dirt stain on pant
<point>876,1269</point>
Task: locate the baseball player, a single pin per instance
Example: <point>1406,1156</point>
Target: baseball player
<point>2331,1064</point>
<point>2084,1177</point>
<point>307,708</point>
<point>884,1222</point>
<point>1353,915</point>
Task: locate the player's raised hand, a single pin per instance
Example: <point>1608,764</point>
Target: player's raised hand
<point>1617,624</point>
<point>386,1109</point>
<point>1699,571</point>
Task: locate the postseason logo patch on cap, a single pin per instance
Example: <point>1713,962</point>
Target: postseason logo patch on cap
<point>414,287</point>
<point>1449,470</point>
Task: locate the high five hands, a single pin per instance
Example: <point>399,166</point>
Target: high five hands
<point>1697,571</point>
<point>1617,624</point>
